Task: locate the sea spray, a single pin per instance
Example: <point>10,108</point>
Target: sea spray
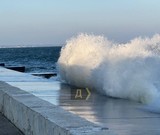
<point>129,71</point>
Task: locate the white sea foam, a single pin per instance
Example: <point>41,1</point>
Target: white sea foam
<point>129,71</point>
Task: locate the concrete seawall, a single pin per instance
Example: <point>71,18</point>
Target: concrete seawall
<point>34,116</point>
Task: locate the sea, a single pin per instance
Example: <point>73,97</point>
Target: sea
<point>35,59</point>
<point>128,71</point>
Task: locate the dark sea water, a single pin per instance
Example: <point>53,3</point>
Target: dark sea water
<point>35,59</point>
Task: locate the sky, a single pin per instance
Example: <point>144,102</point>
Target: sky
<point>44,22</point>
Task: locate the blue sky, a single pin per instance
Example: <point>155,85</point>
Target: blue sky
<point>54,21</point>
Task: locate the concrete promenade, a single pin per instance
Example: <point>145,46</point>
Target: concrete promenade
<point>34,116</point>
<point>124,117</point>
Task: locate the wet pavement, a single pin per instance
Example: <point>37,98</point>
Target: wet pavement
<point>122,116</point>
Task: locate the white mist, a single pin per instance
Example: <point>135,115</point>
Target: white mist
<point>129,71</point>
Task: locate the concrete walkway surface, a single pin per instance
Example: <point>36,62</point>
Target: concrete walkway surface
<point>122,116</point>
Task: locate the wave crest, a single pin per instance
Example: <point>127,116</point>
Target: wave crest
<point>128,70</point>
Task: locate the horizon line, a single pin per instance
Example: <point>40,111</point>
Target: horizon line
<point>31,45</point>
